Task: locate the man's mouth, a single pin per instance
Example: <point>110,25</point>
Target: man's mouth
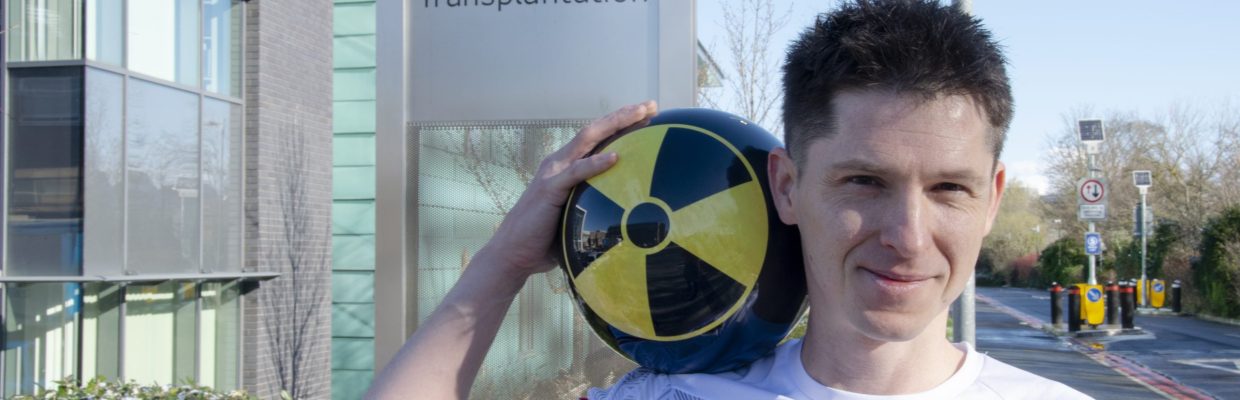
<point>895,283</point>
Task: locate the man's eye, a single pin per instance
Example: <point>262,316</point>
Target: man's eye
<point>862,180</point>
<point>951,187</point>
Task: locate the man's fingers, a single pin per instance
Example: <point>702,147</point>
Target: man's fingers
<point>583,169</point>
<point>605,127</point>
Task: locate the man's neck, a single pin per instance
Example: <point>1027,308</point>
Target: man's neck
<point>843,358</point>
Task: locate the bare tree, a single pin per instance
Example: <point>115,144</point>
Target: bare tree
<point>752,83</point>
<point>298,299</point>
<point>1193,152</point>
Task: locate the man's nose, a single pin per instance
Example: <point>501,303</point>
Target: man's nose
<point>906,225</point>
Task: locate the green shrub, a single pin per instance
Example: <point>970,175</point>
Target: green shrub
<point>1216,274</point>
<point>1062,261</point>
<point>101,388</point>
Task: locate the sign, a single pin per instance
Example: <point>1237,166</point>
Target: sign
<point>1158,294</point>
<point>1093,309</point>
<point>514,60</point>
<point>1091,191</point>
<point>1090,130</point>
<point>1093,243</point>
<point>1091,212</point>
<point>1142,179</point>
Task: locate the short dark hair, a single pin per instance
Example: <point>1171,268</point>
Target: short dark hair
<point>908,47</point>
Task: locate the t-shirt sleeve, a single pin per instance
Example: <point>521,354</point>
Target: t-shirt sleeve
<point>638,384</point>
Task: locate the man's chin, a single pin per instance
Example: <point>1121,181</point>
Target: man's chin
<point>888,326</point>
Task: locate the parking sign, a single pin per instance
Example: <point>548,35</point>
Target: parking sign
<point>1093,243</point>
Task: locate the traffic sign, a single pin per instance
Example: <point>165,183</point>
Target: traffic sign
<point>1091,191</point>
<point>1091,212</point>
<point>1093,243</point>
<point>1142,179</point>
<point>1090,130</point>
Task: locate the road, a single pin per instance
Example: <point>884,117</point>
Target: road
<point>1181,355</point>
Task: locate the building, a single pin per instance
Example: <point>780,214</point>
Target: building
<point>167,193</point>
<point>190,193</point>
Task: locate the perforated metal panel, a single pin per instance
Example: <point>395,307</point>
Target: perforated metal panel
<point>468,177</point>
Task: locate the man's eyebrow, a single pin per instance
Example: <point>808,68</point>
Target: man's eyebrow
<point>870,167</point>
<point>857,165</point>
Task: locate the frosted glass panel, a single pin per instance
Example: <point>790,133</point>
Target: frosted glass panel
<point>104,169</point>
<point>162,162</point>
<point>221,186</point>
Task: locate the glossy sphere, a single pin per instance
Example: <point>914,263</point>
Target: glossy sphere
<point>675,255</point>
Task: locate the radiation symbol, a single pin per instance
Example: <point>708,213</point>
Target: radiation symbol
<point>669,242</point>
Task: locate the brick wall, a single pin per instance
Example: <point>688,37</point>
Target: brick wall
<point>288,97</point>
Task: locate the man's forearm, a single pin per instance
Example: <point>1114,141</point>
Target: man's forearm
<point>442,358</point>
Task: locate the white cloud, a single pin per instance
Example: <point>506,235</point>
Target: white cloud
<point>1028,173</point>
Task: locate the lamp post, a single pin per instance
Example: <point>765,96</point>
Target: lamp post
<point>1143,180</point>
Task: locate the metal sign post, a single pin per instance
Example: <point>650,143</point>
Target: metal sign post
<point>1143,180</point>
<point>1092,134</point>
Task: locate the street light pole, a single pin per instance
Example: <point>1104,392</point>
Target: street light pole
<point>963,311</point>
<point>1143,180</point>
<point>1145,294</point>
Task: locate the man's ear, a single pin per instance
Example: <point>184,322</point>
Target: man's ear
<point>997,185</point>
<point>781,170</point>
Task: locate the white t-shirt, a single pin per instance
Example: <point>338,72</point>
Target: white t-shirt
<point>782,376</point>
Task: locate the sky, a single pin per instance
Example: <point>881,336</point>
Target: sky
<point>1136,55</point>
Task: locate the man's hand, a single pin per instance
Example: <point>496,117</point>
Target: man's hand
<point>442,358</point>
<point>524,241</point>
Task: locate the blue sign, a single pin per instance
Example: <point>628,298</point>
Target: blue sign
<point>1093,243</point>
<point>1158,287</point>
<point>1094,295</point>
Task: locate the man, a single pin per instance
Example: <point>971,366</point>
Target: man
<point>895,114</point>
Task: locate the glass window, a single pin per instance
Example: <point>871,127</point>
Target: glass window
<point>101,317</point>
<point>221,329</point>
<point>159,333</point>
<point>163,39</point>
<point>221,46</point>
<point>162,162</point>
<point>43,30</point>
<point>104,27</point>
<point>103,168</point>
<point>40,335</point>
<point>221,186</point>
<point>44,230</point>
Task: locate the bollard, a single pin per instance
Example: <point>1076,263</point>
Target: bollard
<point>1074,309</point>
<point>1175,296</point>
<point>1056,305</point>
<point>1128,305</point>
<point>1112,303</point>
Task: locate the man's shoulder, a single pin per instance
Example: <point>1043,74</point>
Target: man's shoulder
<point>753,381</point>
<point>1009,382</point>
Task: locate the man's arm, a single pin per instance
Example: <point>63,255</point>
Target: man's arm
<point>443,356</point>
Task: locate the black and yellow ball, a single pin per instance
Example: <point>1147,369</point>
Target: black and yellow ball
<point>676,256</point>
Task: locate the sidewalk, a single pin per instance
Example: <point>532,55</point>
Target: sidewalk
<point>1012,341</point>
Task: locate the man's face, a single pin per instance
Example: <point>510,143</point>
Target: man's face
<point>892,209</point>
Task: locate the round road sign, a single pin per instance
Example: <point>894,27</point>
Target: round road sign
<point>1092,191</point>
